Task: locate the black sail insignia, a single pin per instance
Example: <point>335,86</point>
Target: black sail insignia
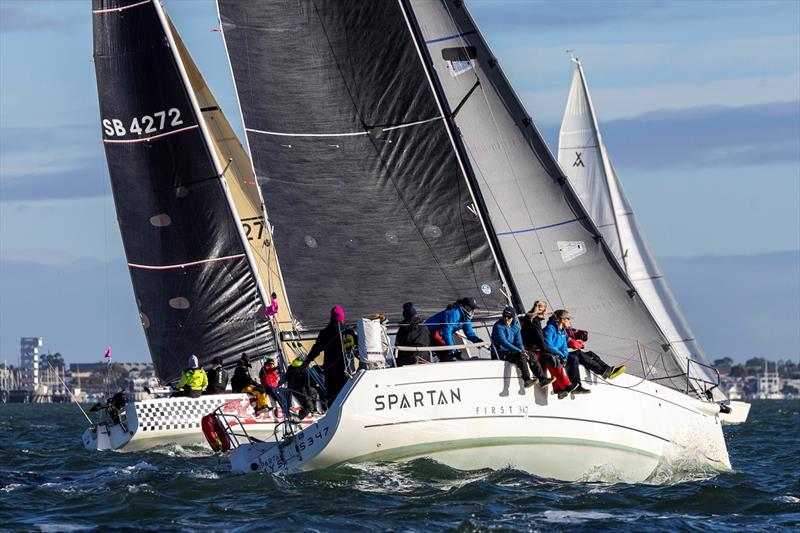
<point>369,203</point>
<point>194,287</point>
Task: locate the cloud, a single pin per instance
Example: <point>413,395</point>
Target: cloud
<point>628,102</point>
<point>26,16</point>
<point>711,136</point>
<point>58,162</point>
<point>707,136</point>
<point>553,16</point>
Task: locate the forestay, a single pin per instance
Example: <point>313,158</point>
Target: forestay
<point>553,249</point>
<point>194,287</point>
<point>368,200</point>
<point>584,158</point>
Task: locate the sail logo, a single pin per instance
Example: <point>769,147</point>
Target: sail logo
<point>417,399</point>
<point>578,161</point>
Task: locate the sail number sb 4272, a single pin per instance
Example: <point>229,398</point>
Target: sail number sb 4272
<point>147,124</point>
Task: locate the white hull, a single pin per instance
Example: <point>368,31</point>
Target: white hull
<point>738,414</point>
<point>475,414</point>
<point>158,421</point>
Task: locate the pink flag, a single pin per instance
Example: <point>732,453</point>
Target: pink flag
<point>107,353</point>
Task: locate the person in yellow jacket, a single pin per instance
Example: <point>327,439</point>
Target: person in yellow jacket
<point>193,379</point>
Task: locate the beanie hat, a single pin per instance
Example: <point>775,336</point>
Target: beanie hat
<point>192,362</point>
<point>409,310</point>
<point>509,311</point>
<point>337,313</point>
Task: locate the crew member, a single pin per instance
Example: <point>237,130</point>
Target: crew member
<point>456,317</point>
<point>331,341</point>
<point>299,382</point>
<point>557,340</point>
<point>242,381</point>
<point>268,376</point>
<point>412,332</point>
<point>217,377</point>
<point>507,342</point>
<point>533,340</point>
<point>193,379</point>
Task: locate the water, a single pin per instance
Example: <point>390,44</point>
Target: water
<point>48,482</point>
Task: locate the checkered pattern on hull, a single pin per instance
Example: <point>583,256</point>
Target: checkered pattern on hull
<point>176,413</point>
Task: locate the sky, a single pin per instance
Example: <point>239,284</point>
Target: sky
<point>698,102</point>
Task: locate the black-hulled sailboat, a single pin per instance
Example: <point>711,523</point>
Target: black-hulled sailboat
<point>192,221</point>
<point>397,164</point>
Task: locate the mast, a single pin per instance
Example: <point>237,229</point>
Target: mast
<point>217,166</point>
<point>590,108</point>
<point>461,156</point>
<point>255,175</point>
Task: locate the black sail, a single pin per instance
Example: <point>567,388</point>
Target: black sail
<point>359,177</point>
<point>194,288</point>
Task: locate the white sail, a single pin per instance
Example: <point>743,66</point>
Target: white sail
<point>584,158</point>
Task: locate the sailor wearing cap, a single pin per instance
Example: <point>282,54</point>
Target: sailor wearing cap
<point>456,317</point>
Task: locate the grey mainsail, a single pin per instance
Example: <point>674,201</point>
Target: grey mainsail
<point>553,249</point>
<point>191,272</point>
<point>369,203</point>
<point>584,158</point>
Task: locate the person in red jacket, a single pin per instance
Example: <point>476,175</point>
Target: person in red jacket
<point>269,377</point>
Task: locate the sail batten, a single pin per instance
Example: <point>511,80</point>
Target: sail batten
<point>194,287</point>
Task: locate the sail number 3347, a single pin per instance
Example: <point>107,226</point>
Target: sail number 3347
<point>114,127</point>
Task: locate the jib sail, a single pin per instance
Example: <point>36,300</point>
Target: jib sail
<point>192,274</point>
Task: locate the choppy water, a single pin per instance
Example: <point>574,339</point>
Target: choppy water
<point>48,482</point>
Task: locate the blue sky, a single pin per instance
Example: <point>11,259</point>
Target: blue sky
<point>699,103</point>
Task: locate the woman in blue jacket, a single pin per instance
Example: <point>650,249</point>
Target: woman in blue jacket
<point>557,340</point>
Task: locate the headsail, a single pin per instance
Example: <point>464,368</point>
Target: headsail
<point>369,203</point>
<point>241,182</point>
<point>601,192</point>
<point>191,272</point>
<point>552,247</point>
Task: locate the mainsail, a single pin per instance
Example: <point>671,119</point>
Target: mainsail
<point>584,158</point>
<point>192,274</point>
<point>370,205</point>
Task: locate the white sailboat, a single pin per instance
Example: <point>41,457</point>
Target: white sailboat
<point>583,156</point>
<point>397,163</point>
<point>192,221</point>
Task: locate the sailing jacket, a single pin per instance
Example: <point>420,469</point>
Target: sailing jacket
<point>329,341</point>
<point>217,381</point>
<point>507,338</point>
<point>532,335</point>
<point>194,377</point>
<point>241,378</point>
<point>268,376</point>
<point>451,320</point>
<point>412,332</point>
<point>556,339</point>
